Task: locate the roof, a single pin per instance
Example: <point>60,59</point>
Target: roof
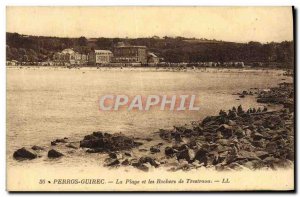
<point>103,51</point>
<point>152,55</point>
<point>130,47</point>
<point>68,51</point>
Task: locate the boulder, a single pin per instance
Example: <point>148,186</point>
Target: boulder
<point>154,149</point>
<point>225,130</point>
<point>201,156</point>
<point>169,151</point>
<point>239,133</point>
<point>247,155</point>
<point>125,162</point>
<point>108,142</point>
<point>37,148</point>
<point>257,136</point>
<point>128,154</point>
<point>186,154</point>
<point>262,154</point>
<point>114,163</point>
<point>63,140</point>
<point>95,150</point>
<point>54,154</point>
<point>143,167</point>
<point>271,147</point>
<point>149,160</point>
<point>71,146</point>
<point>23,153</point>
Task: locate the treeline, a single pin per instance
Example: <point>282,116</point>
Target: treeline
<point>178,49</point>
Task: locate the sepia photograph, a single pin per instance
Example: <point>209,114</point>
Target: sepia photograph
<point>150,99</point>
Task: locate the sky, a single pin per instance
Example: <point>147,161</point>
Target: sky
<point>236,24</point>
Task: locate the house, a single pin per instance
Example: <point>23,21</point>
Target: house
<point>97,57</point>
<point>69,57</point>
<point>130,54</point>
<point>152,58</point>
<point>12,63</point>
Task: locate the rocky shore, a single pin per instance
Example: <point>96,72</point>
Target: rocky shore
<point>232,140</point>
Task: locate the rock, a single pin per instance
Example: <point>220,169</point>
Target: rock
<point>143,168</point>
<point>240,133</point>
<point>248,133</point>
<point>125,162</point>
<point>108,142</point>
<point>114,163</point>
<point>95,150</point>
<point>23,153</point>
<point>258,143</point>
<point>201,156</point>
<point>262,154</point>
<point>54,154</point>
<point>222,113</point>
<point>71,146</point>
<point>232,114</point>
<point>149,160</point>
<point>170,151</point>
<point>165,134</point>
<point>240,110</point>
<point>235,166</point>
<point>178,138</point>
<point>112,155</point>
<point>154,149</point>
<point>225,130</point>
<point>53,143</point>
<point>231,123</point>
<point>242,154</point>
<point>37,148</point>
<point>148,139</point>
<point>61,140</point>
<point>223,142</point>
<point>127,154</point>
<point>257,136</point>
<point>186,154</point>
<point>271,147</point>
<point>143,150</point>
<point>253,164</point>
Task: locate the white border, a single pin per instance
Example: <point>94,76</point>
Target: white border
<point>5,3</point>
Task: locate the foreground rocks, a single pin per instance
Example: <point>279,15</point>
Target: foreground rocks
<point>23,154</point>
<point>54,154</point>
<point>105,142</point>
<point>235,139</point>
<point>283,94</point>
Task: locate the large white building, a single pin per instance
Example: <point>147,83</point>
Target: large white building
<point>97,57</point>
<point>69,56</point>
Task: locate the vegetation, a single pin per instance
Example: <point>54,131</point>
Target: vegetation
<point>178,49</point>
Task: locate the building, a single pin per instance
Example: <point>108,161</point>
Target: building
<point>69,56</point>
<point>12,63</point>
<point>97,57</point>
<point>130,54</point>
<point>152,58</point>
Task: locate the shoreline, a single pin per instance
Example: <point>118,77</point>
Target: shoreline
<point>149,69</point>
<point>191,146</point>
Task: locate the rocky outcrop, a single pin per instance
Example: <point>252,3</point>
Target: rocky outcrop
<point>37,148</point>
<point>235,138</point>
<point>54,154</point>
<point>23,154</point>
<point>108,142</point>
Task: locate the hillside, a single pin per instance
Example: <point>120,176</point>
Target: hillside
<point>178,49</point>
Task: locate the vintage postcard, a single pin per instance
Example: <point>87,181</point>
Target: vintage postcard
<point>150,99</point>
